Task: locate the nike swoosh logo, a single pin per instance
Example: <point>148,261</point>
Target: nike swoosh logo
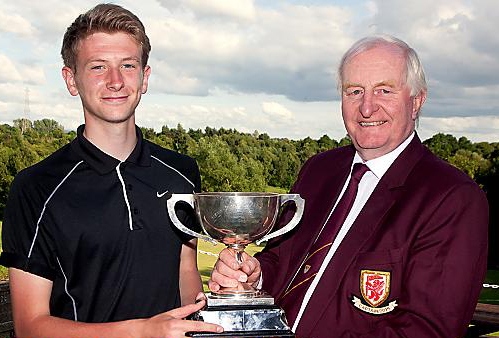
<point>161,194</point>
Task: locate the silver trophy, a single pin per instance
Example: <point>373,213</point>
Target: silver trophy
<point>237,219</point>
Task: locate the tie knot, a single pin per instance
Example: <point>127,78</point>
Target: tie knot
<point>359,169</point>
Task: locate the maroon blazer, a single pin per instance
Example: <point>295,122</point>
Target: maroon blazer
<point>422,234</point>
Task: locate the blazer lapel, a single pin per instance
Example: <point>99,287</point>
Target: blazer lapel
<point>361,230</point>
<point>319,200</point>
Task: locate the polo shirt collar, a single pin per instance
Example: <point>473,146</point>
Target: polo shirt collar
<point>104,163</point>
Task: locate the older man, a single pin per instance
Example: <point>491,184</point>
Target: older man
<point>406,256</point>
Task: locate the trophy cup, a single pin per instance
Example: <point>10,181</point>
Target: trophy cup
<point>237,219</point>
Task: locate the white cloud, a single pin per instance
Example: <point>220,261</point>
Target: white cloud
<point>266,66</point>
<point>476,128</point>
<point>174,81</point>
<point>9,71</point>
<point>14,23</point>
<point>33,74</point>
<point>289,45</point>
<point>195,116</point>
<point>238,9</point>
<point>276,110</point>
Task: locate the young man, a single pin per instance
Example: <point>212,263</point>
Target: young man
<point>86,236</point>
<point>409,258</point>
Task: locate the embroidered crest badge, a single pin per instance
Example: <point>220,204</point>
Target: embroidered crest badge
<point>375,289</point>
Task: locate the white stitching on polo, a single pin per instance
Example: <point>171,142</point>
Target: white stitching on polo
<point>45,206</point>
<point>125,196</point>
<point>66,290</point>
<point>172,168</point>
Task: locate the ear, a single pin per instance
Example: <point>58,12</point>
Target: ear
<point>417,103</point>
<point>69,77</point>
<point>145,79</point>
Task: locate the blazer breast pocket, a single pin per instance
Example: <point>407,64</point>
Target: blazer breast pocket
<point>375,281</point>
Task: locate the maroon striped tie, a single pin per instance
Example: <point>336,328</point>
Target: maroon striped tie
<point>292,298</point>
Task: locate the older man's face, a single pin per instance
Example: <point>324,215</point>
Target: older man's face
<point>378,111</point>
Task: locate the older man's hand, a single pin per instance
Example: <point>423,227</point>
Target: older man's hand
<point>229,273</point>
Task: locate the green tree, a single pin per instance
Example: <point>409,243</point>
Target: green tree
<point>326,143</point>
<point>149,134</point>
<point>306,148</point>
<point>285,165</point>
<point>485,149</point>
<point>230,160</point>
<point>464,144</point>
<point>48,127</point>
<point>23,124</point>
<point>345,141</point>
<point>221,170</point>
<point>6,176</point>
<point>442,145</point>
<point>470,162</point>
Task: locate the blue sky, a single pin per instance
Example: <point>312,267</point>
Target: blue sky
<point>249,65</point>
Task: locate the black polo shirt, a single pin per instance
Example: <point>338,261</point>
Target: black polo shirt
<point>99,229</point>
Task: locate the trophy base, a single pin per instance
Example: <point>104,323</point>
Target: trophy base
<point>253,334</point>
<point>244,321</point>
<point>239,299</point>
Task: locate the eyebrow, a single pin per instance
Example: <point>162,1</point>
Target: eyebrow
<point>349,84</point>
<point>379,84</point>
<point>130,58</point>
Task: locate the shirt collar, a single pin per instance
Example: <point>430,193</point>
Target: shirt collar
<point>380,165</point>
<point>104,163</point>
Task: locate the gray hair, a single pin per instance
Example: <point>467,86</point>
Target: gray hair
<point>415,76</point>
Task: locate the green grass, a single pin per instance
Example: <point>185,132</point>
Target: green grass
<point>276,189</point>
<point>490,295</point>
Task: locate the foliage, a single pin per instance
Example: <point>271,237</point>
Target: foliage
<point>229,160</point>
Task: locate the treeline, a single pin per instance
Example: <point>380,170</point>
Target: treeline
<point>229,160</point>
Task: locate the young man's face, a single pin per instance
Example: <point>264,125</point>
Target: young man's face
<point>378,111</point>
<point>108,77</point>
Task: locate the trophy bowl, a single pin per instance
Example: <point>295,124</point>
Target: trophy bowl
<point>237,219</point>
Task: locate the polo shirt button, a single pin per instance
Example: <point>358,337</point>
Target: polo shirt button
<point>129,187</point>
<point>135,211</point>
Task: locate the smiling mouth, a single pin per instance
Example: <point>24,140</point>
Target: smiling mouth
<point>115,98</point>
<point>372,124</point>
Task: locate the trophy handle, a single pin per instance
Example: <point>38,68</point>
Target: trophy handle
<point>300,205</point>
<point>170,205</point>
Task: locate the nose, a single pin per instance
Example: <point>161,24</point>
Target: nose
<point>368,105</point>
<point>115,79</point>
